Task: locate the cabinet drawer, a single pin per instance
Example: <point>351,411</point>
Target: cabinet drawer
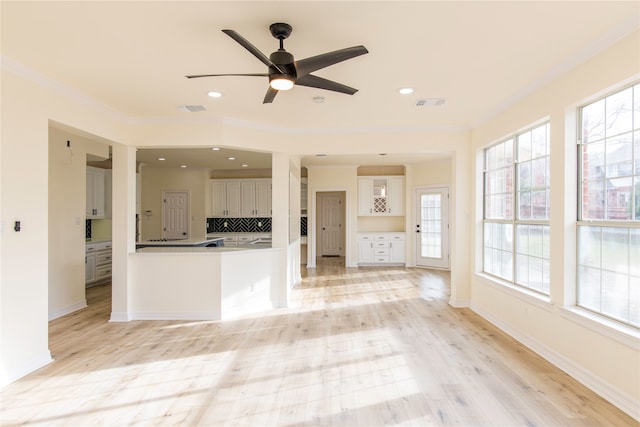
<point>245,238</point>
<point>103,245</point>
<point>103,258</point>
<point>98,246</point>
<point>102,272</point>
<point>383,244</point>
<point>382,258</point>
<point>396,236</point>
<point>382,251</point>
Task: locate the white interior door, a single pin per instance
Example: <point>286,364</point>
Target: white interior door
<point>432,227</point>
<point>331,225</point>
<point>175,214</point>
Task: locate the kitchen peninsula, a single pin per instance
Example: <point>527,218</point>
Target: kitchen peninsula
<point>192,282</point>
<point>177,243</point>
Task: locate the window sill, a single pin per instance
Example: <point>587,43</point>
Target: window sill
<point>619,332</point>
<point>534,298</point>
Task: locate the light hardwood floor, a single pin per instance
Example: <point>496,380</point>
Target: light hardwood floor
<point>360,347</point>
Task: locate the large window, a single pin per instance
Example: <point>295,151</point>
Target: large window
<point>516,209</point>
<point>609,215</point>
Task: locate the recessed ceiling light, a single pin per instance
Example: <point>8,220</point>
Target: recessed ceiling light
<point>405,90</point>
<point>161,159</point>
<point>231,158</point>
<point>214,94</point>
<point>245,165</point>
<point>215,148</point>
<point>183,166</point>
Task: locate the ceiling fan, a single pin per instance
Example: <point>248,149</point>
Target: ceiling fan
<point>284,72</point>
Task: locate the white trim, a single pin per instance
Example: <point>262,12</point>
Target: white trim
<point>416,206</point>
<point>67,310</point>
<point>175,315</point>
<point>615,396</point>
<point>459,303</point>
<point>619,332</point>
<point>26,368</point>
<point>311,224</point>
<point>522,293</point>
<point>120,316</point>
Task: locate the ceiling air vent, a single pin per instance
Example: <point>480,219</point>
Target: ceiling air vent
<point>430,102</point>
<point>191,108</point>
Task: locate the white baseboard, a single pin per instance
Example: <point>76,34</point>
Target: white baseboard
<point>175,315</point>
<point>613,395</point>
<point>119,316</point>
<point>10,375</point>
<point>459,303</point>
<point>68,309</point>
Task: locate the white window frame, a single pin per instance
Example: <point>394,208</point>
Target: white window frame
<point>607,224</point>
<point>515,221</point>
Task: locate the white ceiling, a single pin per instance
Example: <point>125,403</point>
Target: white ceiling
<point>480,56</point>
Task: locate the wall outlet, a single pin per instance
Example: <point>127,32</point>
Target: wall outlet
<point>225,224</point>
<point>259,223</point>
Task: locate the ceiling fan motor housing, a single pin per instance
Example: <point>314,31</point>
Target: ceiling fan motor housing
<point>284,60</point>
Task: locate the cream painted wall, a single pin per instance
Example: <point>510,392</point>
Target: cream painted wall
<point>101,228</point>
<point>30,102</point>
<point>604,358</point>
<point>66,215</point>
<point>336,178</point>
<point>155,180</point>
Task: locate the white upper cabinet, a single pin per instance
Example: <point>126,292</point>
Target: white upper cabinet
<point>381,196</point>
<point>263,198</point>
<point>95,206</point>
<point>240,198</point>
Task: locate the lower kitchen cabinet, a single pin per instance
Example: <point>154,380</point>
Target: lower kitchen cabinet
<point>231,240</point>
<point>381,248</point>
<point>97,261</point>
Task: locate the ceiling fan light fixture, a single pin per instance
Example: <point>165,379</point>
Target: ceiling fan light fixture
<point>281,83</point>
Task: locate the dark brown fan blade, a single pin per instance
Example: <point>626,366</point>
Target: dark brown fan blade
<point>223,75</point>
<point>318,82</point>
<point>271,93</point>
<point>251,48</point>
<point>309,65</point>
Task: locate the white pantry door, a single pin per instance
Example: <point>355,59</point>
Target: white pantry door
<point>175,214</point>
<point>432,227</point>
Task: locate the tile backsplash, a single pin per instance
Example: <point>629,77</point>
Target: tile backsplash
<point>239,225</point>
<point>246,225</point>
